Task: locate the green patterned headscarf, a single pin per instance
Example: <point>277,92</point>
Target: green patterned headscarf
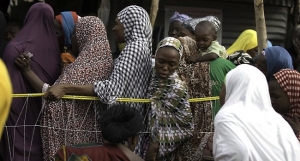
<point>172,42</point>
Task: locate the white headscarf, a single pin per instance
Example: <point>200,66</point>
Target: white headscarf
<point>247,128</point>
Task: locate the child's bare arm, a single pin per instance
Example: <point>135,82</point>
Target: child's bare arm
<point>199,58</point>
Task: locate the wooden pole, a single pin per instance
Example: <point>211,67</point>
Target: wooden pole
<point>260,25</point>
<point>153,11</point>
<point>296,13</point>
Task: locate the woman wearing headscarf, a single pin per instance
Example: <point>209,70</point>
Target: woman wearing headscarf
<point>247,42</point>
<point>3,42</point>
<point>203,80</point>
<point>131,69</point>
<point>5,95</point>
<point>130,76</point>
<point>64,25</point>
<point>273,59</point>
<point>247,127</point>
<point>175,24</point>
<point>22,139</point>
<point>284,92</point>
<point>169,115</point>
<point>68,122</point>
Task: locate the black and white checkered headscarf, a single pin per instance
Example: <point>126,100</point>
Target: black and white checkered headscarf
<point>132,68</point>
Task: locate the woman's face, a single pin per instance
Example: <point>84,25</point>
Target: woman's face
<point>75,46</point>
<point>222,95</point>
<point>166,62</point>
<point>252,52</point>
<point>261,64</point>
<point>280,100</point>
<point>174,29</point>
<point>186,32</point>
<point>118,31</point>
<point>59,34</point>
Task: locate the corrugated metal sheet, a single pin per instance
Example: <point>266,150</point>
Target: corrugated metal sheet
<point>236,18</point>
<point>286,3</point>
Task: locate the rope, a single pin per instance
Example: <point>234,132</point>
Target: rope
<point>90,98</point>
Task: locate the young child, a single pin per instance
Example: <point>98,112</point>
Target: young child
<point>169,116</point>
<point>209,48</point>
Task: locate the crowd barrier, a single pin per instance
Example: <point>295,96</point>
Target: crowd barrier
<point>90,98</point>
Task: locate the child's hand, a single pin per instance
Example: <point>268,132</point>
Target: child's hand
<point>192,59</point>
<point>23,62</point>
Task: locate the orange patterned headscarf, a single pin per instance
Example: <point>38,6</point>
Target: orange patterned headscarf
<point>289,80</point>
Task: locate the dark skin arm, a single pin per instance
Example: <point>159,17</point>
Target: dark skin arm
<point>23,62</point>
<point>58,91</point>
<point>199,58</point>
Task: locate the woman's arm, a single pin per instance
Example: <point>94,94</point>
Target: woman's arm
<point>58,91</point>
<point>23,62</point>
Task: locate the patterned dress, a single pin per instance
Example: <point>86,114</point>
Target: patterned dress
<point>69,122</point>
<point>203,80</point>
<point>169,115</point>
<point>132,68</point>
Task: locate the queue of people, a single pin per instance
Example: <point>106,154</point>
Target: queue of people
<point>256,118</point>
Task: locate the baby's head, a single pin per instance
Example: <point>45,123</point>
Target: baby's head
<point>168,54</point>
<point>205,33</point>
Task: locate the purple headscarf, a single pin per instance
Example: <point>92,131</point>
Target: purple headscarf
<point>179,17</point>
<point>38,37</point>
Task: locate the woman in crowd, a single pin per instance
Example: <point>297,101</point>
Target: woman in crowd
<point>5,95</point>
<point>284,92</point>
<point>272,59</point>
<point>93,63</point>
<point>203,80</point>
<point>64,25</point>
<point>246,42</point>
<point>132,68</point>
<point>175,24</point>
<point>169,115</point>
<point>118,124</point>
<point>247,127</point>
<point>130,76</point>
<point>3,42</point>
<point>20,141</point>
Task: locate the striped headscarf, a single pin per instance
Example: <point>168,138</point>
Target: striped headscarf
<point>289,80</point>
<point>67,20</point>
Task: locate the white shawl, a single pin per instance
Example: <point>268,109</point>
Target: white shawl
<point>247,128</point>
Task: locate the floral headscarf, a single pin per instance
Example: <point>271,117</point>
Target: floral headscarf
<point>179,17</point>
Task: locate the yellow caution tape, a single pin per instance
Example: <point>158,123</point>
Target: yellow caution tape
<point>90,98</point>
